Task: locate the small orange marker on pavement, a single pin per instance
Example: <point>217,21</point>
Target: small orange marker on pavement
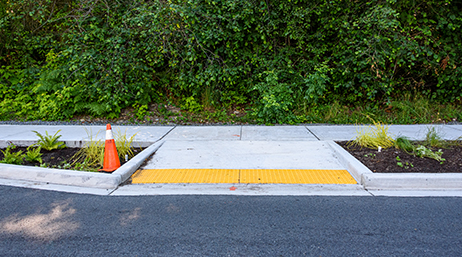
<point>111,158</point>
<point>232,188</point>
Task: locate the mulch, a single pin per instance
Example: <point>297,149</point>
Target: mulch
<point>383,162</point>
<point>56,158</point>
<point>386,161</point>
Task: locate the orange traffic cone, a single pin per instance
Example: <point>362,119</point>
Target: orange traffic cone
<point>111,158</point>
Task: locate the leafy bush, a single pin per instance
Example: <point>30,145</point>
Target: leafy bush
<point>276,100</point>
<point>60,58</point>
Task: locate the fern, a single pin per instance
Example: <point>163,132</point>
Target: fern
<point>34,155</point>
<point>12,158</point>
<point>94,108</point>
<point>49,142</point>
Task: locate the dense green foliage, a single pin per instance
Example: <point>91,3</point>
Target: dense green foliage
<point>280,57</point>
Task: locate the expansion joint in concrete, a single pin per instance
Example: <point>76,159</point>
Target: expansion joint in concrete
<point>312,133</point>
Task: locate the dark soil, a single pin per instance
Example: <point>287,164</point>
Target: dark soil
<point>386,161</point>
<point>56,158</point>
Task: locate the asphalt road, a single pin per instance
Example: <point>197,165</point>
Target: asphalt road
<point>47,223</point>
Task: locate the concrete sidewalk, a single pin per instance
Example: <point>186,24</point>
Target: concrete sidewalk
<point>233,147</point>
<point>22,135</point>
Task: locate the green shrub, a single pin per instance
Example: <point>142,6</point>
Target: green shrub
<point>434,139</point>
<point>276,100</point>
<point>421,151</point>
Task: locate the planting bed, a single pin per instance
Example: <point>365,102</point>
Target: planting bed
<point>57,158</point>
<point>394,160</point>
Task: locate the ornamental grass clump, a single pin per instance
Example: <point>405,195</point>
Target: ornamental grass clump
<point>434,139</point>
<point>124,144</point>
<point>374,137</point>
<point>91,154</point>
<point>404,144</point>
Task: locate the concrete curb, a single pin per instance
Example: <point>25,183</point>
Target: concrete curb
<point>355,167</point>
<point>395,181</point>
<point>77,178</point>
<point>131,166</point>
<point>61,177</point>
<point>427,181</point>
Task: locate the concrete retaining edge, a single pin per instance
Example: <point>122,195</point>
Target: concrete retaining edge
<point>61,177</point>
<point>427,181</point>
<point>131,166</point>
<point>395,181</point>
<point>77,178</point>
<point>355,167</point>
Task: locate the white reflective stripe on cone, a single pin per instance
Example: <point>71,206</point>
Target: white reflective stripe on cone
<point>109,135</point>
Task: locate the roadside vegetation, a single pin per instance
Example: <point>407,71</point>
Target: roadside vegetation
<point>373,147</point>
<point>88,158</point>
<point>91,156</point>
<point>377,137</point>
<point>232,61</point>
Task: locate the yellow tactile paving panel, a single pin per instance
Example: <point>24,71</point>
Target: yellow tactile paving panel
<point>245,176</point>
<point>295,176</point>
<point>186,176</point>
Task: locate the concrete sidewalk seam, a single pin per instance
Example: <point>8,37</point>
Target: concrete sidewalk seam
<point>166,133</point>
<point>312,133</point>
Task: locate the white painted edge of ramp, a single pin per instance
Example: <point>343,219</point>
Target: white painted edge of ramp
<point>395,181</point>
<point>77,178</point>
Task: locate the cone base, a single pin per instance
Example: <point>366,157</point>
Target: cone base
<point>108,170</point>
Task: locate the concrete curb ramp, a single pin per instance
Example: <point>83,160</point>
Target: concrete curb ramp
<point>76,135</point>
